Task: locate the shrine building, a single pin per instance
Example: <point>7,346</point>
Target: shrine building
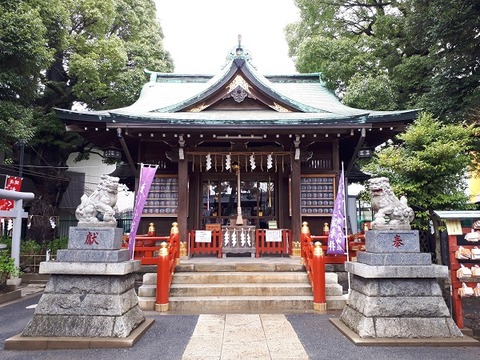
<point>277,140</point>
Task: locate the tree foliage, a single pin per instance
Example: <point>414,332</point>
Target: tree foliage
<point>415,53</point>
<point>427,163</point>
<point>57,53</point>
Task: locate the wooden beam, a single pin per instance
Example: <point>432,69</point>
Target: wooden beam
<point>295,199</point>
<point>182,216</point>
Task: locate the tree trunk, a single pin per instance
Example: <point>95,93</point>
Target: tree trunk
<point>436,232</point>
<point>50,185</point>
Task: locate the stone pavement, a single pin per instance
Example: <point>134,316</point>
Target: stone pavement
<point>244,336</point>
<point>222,337</point>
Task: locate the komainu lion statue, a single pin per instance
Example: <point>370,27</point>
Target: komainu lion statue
<point>390,212</point>
<point>98,208</point>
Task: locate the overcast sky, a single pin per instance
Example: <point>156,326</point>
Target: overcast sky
<point>199,33</point>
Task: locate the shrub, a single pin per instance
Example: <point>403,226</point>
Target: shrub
<point>7,267</point>
<point>55,245</point>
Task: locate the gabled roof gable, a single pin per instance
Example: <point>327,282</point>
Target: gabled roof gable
<point>239,82</point>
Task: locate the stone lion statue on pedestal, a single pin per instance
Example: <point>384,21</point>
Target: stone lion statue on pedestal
<point>98,208</point>
<point>390,212</point>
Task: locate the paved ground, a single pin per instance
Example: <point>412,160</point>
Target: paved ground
<point>293,336</point>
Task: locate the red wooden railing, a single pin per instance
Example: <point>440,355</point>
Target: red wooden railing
<point>356,242</point>
<point>264,247</point>
<point>313,252</point>
<point>147,247</point>
<point>314,261</point>
<point>201,248</point>
<point>167,260</point>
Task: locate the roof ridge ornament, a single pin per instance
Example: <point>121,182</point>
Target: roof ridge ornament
<point>239,52</point>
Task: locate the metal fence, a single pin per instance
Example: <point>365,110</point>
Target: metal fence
<point>32,262</point>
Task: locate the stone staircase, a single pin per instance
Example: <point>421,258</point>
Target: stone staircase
<point>244,285</point>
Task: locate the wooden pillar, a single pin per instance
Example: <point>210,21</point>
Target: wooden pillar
<point>183,199</point>
<point>295,199</point>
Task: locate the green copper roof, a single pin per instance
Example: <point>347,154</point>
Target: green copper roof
<point>165,97</point>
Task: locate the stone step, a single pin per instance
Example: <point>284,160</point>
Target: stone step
<point>198,290</point>
<point>209,277</point>
<point>229,304</point>
<point>336,302</point>
<point>239,277</point>
<point>210,304</point>
<point>147,303</point>
<point>239,289</point>
<point>150,278</point>
<point>147,291</point>
<point>253,266</point>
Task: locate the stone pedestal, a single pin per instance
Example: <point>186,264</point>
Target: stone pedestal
<point>90,292</point>
<point>394,290</point>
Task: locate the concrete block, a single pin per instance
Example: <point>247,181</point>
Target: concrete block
<point>78,268</point>
<point>95,284</point>
<point>401,306</point>
<point>84,326</point>
<point>395,272</point>
<point>396,287</point>
<point>436,327</point>
<point>392,241</point>
<point>93,255</point>
<point>86,304</point>
<point>387,259</point>
<point>95,238</point>
<point>360,324</point>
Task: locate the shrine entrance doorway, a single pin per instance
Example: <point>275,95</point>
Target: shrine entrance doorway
<point>257,200</point>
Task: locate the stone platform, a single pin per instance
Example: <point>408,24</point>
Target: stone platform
<point>410,342</point>
<point>19,342</point>
<point>90,294</point>
<point>395,293</point>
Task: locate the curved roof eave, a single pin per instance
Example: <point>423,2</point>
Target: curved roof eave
<point>93,116</point>
<point>239,119</point>
<point>401,115</point>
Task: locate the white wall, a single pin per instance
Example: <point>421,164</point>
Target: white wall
<point>93,169</point>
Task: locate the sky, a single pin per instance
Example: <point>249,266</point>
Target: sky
<point>200,33</point>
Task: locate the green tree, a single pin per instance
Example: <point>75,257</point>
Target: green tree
<point>414,51</point>
<point>427,163</point>
<point>23,56</point>
<point>85,52</point>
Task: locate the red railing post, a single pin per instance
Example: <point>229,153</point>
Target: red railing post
<point>304,238</point>
<point>319,291</point>
<point>163,278</point>
<point>175,238</point>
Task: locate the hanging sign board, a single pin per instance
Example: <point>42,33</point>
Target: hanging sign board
<point>11,183</point>
<point>272,224</point>
<point>273,235</point>
<point>203,236</point>
<point>213,227</point>
<point>454,227</point>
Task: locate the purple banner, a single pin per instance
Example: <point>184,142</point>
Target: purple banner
<point>336,236</point>
<point>147,173</point>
